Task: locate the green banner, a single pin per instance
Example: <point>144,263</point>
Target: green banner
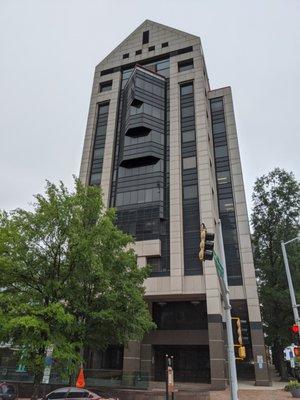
<point>219,266</point>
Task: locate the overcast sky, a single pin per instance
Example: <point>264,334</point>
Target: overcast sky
<point>49,48</point>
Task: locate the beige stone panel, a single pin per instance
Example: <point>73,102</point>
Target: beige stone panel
<point>237,292</point>
<point>248,270</point>
<point>245,242</point>
<point>194,284</point>
<point>254,313</point>
<point>251,291</point>
<point>213,305</point>
<point>176,284</point>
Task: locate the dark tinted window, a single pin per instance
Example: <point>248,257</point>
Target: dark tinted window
<point>185,65</point>
<point>138,52</point>
<point>105,86</point>
<point>77,394</point>
<point>188,136</point>
<point>180,315</point>
<point>165,44</point>
<point>151,48</point>
<point>57,395</point>
<point>126,55</point>
<point>190,192</point>
<point>145,37</point>
<point>186,89</point>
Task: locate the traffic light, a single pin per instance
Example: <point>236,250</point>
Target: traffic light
<point>295,334</point>
<point>206,244</point>
<point>295,328</point>
<point>242,352</point>
<point>238,330</point>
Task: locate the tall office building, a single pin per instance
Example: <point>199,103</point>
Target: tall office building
<point>163,146</point>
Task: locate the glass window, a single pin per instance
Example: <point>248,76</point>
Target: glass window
<point>188,136</point>
<point>219,127</point>
<point>221,151</point>
<point>223,177</point>
<point>119,199</point>
<point>190,192</point>
<point>185,65</point>
<point>103,108</point>
<point>77,394</point>
<point>148,195</point>
<point>95,179</point>
<point>226,205</point>
<point>98,153</point>
<point>180,315</point>
<point>127,73</point>
<point>56,395</point>
<point>105,86</point>
<point>151,48</point>
<point>145,37</point>
<point>162,65</point>
<point>126,55</point>
<point>217,105</point>
<point>165,44</point>
<point>133,197</point>
<point>138,52</point>
<point>141,196</point>
<point>126,198</point>
<point>189,162</point>
<point>186,89</point>
<point>187,111</point>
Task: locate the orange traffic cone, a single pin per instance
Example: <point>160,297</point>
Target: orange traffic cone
<point>80,383</point>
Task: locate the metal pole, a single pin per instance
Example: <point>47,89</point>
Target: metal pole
<point>227,307</point>
<point>290,283</point>
<point>167,380</point>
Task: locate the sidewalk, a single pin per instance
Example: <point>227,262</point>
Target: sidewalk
<point>248,390</point>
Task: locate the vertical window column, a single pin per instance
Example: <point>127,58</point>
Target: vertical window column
<point>225,194</point>
<point>99,145</point>
<point>191,214</point>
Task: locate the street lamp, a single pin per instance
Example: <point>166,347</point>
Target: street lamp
<point>289,279</point>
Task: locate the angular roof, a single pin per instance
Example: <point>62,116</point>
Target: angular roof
<point>158,33</point>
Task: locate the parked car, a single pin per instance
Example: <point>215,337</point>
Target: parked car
<point>75,393</point>
<point>7,391</point>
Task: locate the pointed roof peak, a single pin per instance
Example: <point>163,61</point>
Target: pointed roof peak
<point>159,33</point>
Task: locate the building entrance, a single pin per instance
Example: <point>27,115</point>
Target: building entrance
<point>191,363</point>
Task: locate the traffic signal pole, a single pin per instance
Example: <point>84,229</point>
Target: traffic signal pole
<point>227,307</point>
<point>290,282</point>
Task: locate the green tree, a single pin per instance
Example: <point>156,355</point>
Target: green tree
<point>68,278</point>
<point>275,217</point>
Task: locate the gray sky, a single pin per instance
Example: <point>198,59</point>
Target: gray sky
<point>49,48</point>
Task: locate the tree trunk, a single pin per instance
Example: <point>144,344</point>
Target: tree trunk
<point>282,367</point>
<point>36,386</point>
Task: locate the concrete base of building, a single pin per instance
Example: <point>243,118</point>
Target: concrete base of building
<point>263,383</point>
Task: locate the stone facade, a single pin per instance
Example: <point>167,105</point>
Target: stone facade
<point>177,286</point>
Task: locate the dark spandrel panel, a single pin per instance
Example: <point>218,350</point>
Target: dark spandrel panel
<point>180,315</point>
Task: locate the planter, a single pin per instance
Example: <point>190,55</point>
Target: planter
<point>296,393</point>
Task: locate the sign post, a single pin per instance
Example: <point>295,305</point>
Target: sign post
<point>222,275</point>
<point>169,377</point>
